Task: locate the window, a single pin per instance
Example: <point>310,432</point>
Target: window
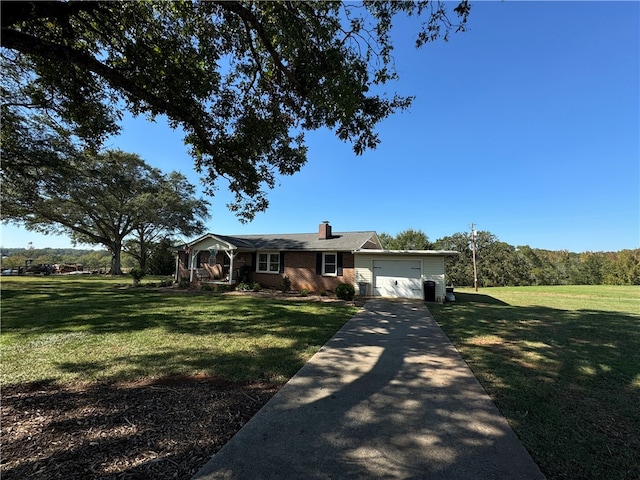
<point>268,263</point>
<point>329,264</point>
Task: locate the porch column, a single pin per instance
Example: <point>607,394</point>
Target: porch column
<point>194,254</point>
<point>231,254</point>
<point>175,279</point>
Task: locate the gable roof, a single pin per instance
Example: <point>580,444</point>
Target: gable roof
<point>339,241</point>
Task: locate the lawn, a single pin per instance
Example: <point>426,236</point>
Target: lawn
<point>563,365</point>
<point>88,329</point>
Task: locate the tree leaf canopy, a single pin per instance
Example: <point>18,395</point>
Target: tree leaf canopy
<point>243,80</point>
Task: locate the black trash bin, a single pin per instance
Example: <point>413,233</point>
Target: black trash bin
<point>430,291</point>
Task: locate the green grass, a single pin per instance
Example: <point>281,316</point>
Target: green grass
<point>70,329</point>
<point>563,365</point>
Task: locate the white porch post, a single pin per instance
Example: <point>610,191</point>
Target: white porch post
<point>175,279</point>
<point>231,256</point>
<point>194,254</point>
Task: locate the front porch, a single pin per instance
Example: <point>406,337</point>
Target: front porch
<point>210,261</point>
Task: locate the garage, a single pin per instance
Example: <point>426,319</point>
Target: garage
<point>397,278</point>
<point>401,273</point>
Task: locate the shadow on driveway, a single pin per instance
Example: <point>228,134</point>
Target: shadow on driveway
<point>388,397</point>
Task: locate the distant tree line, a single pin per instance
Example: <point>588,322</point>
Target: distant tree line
<point>160,262</point>
<point>500,264</point>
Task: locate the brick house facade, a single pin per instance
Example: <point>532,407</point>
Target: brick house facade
<point>302,269</point>
<point>315,262</point>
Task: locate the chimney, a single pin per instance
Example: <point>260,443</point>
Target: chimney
<point>324,232</point>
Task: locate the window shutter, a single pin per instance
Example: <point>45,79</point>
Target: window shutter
<point>319,264</point>
<point>254,261</point>
<point>281,262</point>
<point>339,265</point>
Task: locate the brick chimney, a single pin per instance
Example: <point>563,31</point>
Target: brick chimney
<point>324,231</point>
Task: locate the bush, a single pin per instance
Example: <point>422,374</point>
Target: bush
<point>304,292</point>
<point>256,287</point>
<point>345,291</point>
<point>183,282</point>
<point>223,287</point>
<point>243,273</point>
<point>285,284</point>
<point>137,275</point>
<point>243,287</point>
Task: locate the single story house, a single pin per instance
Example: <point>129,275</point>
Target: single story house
<point>316,262</point>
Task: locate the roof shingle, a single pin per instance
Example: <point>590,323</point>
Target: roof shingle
<point>339,241</point>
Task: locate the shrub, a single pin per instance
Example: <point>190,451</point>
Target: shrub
<point>256,287</point>
<point>285,284</point>
<point>304,292</point>
<point>207,288</point>
<point>243,287</point>
<point>136,274</point>
<point>183,282</point>
<point>243,273</point>
<point>223,287</point>
<point>345,291</point>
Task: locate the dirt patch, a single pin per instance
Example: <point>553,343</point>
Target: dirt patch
<point>160,429</point>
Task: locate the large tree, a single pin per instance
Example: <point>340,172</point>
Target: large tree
<point>459,268</point>
<point>497,262</point>
<point>161,260</point>
<point>406,240</point>
<point>102,199</point>
<point>243,79</point>
<point>171,207</point>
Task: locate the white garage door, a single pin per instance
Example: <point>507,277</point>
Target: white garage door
<point>397,278</point>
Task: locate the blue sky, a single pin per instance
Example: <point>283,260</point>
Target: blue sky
<point>527,125</point>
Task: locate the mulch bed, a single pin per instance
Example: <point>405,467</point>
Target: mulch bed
<point>162,429</point>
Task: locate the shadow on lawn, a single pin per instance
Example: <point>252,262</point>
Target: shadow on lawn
<point>131,310</point>
<point>568,381</point>
<point>478,298</point>
<point>239,337</point>
<point>257,363</point>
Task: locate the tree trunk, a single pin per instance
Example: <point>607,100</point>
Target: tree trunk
<point>116,264</point>
<point>144,253</point>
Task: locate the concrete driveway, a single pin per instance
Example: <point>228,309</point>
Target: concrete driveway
<point>388,397</point>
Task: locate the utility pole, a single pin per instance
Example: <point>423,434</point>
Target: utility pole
<point>473,252</point>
